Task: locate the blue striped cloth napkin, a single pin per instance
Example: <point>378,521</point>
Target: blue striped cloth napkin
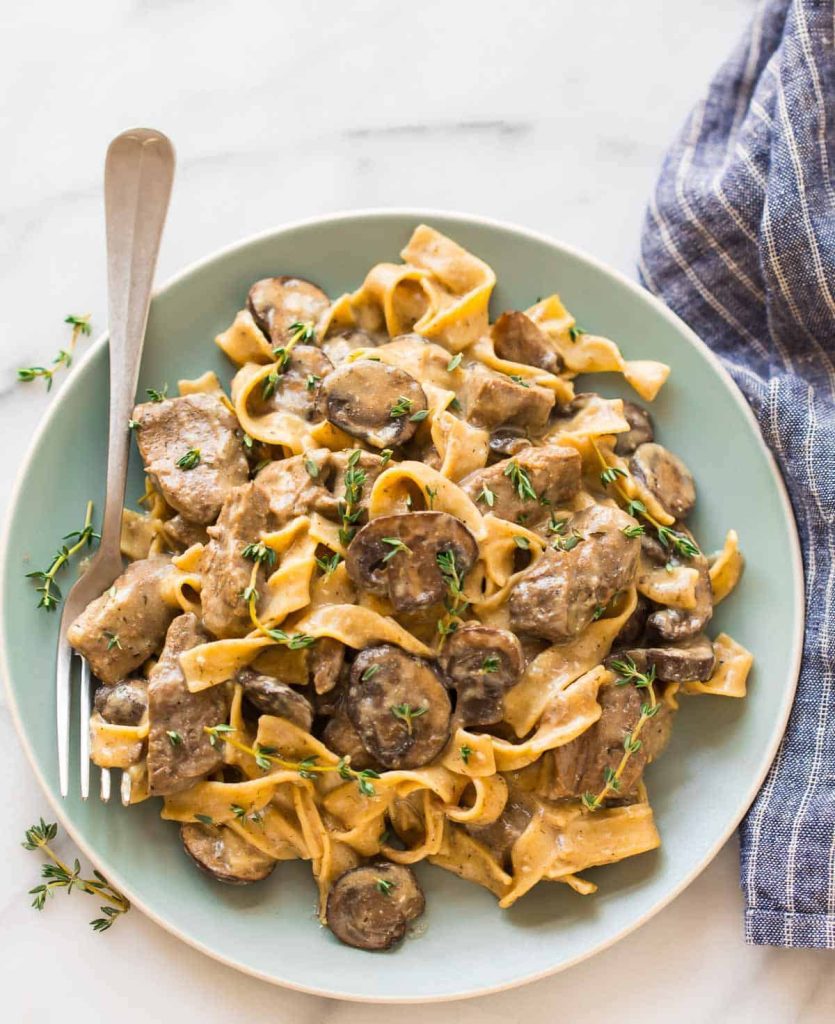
<point>739,240</point>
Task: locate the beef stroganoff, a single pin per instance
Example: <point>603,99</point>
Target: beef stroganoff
<point>404,595</point>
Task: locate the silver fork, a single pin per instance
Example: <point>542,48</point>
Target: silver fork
<point>138,173</point>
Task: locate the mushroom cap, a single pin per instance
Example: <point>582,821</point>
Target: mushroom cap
<point>373,401</point>
<point>224,855</point>
<point>682,662</point>
<point>399,706</point>
<point>278,302</point>
<point>666,476</point>
<point>370,907</point>
<point>294,386</point>
<point>272,697</point>
<point>640,429</point>
<point>481,663</point>
<point>410,575</point>
<point>123,704</point>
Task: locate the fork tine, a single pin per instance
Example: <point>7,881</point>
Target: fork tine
<point>104,791</point>
<point>125,788</point>
<point>62,707</point>
<point>84,729</point>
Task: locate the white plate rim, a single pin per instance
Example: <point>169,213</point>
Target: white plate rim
<point>425,215</point>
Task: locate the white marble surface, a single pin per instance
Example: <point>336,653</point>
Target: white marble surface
<point>552,114</point>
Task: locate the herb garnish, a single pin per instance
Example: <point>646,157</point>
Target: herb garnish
<point>329,563</point>
<point>59,875</point>
<point>312,467</point>
<point>49,590</point>
<point>628,672</point>
<point>455,603</point>
<point>610,474</point>
<point>301,331</point>
<point>466,753</point>
<point>190,459</point>
<point>402,406</point>
<point>348,507</point>
<point>369,673</point>
<point>519,379</point>
<point>384,886</point>
<point>157,395</point>
<point>521,542</point>
<point>113,641</point>
<point>175,739</point>
<point>487,496</point>
<point>268,757</point>
<point>455,362</point>
<point>520,480</point>
<point>395,545</point>
<point>259,553</point>
<point>576,331</point>
<point>80,325</point>
<point>490,664</point>
<point>312,380</point>
<point>405,712</point>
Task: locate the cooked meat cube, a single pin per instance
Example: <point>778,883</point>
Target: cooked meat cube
<point>123,704</point>
<point>270,696</point>
<point>121,629</point>
<point>225,572</point>
<point>517,339</point>
<point>667,477</point>
<point>580,766</point>
<point>525,488</point>
<point>557,597</point>
<point>491,400</point>
<point>225,855</point>
<point>481,663</point>
<point>337,347</point>
<point>370,907</point>
<point>184,534</point>
<point>682,662</point>
<point>179,751</point>
<point>640,429</point>
<point>399,555</point>
<point>500,835</point>
<point>192,453</point>
<point>293,387</point>
<point>378,403</point>
<point>399,706</point>
<point>278,303</point>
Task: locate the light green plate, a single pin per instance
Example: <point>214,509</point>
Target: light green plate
<point>720,750</point>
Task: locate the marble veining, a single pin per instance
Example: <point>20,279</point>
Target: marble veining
<point>551,115</point>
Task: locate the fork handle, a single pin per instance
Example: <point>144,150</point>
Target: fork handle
<point>138,173</point>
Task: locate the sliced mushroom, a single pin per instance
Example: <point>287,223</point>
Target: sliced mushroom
<point>676,624</point>
<point>342,738</point>
<point>123,704</point>
<point>373,401</point>
<point>399,707</point>
<point>398,555</point>
<point>272,697</point>
<point>224,855</point>
<point>337,347</point>
<point>557,598</point>
<point>276,303</point>
<point>517,339</point>
<point>481,663</point>
<point>687,660</point>
<point>507,441</point>
<point>293,387</point>
<point>370,907</point>
<point>325,660</point>
<point>666,476</point>
<point>500,835</point>
<point>640,429</point>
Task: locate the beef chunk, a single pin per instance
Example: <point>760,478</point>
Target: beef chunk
<point>553,473</point>
<point>559,595</point>
<point>492,400</point>
<point>171,432</point>
<point>179,751</point>
<point>121,629</point>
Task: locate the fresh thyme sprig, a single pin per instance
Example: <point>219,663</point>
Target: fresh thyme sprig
<point>302,331</point>
<point>455,603</point>
<point>520,480</point>
<point>395,545</point>
<point>671,539</point>
<point>80,325</point>
<point>348,507</point>
<point>190,459</point>
<point>401,407</point>
<point>293,641</point>
<point>59,875</point>
<point>268,757</point>
<point>329,563</point>
<point>406,712</point>
<point>628,673</point>
<point>48,589</point>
